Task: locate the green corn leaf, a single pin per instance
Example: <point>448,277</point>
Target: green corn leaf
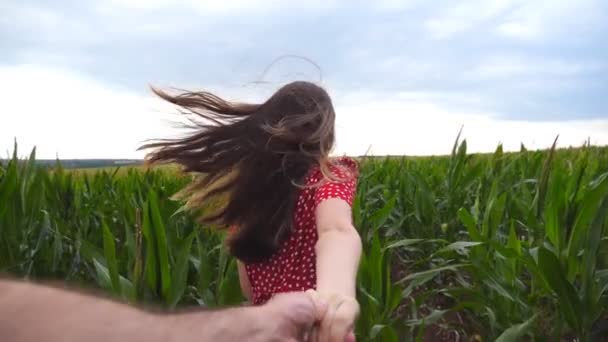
<point>151,264</point>
<point>589,207</point>
<point>403,243</point>
<point>161,245</point>
<point>552,227</point>
<point>394,299</point>
<point>456,143</point>
<point>422,277</point>
<point>58,250</point>
<point>109,248</point>
<point>516,332</point>
<point>179,274</point>
<point>491,283</point>
<point>603,289</point>
<point>230,289</point>
<point>103,277</point>
<point>383,332</point>
<point>91,252</point>
<point>8,186</point>
<point>494,214</point>
<point>514,243</point>
<point>374,302</point>
<point>205,268</point>
<point>592,244</point>
<point>459,246</point>
<point>469,222</point>
<point>379,217</point>
<point>569,302</point>
<point>544,179</point>
<point>375,330</point>
<point>376,260</point>
<point>472,176</point>
<point>430,319</point>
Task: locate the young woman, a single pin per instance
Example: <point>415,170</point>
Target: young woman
<point>286,203</point>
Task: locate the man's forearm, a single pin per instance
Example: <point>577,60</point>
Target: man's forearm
<point>30,312</point>
<point>234,324</point>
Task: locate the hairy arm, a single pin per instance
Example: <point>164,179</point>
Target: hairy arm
<point>30,312</point>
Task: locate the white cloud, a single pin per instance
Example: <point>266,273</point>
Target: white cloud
<point>519,19</point>
<point>413,127</point>
<point>460,17</point>
<point>519,29</point>
<point>494,67</point>
<point>51,25</point>
<point>223,6</point>
<point>65,113</point>
<point>551,19</point>
<point>24,15</point>
<point>392,5</point>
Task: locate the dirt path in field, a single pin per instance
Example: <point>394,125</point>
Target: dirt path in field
<point>452,327</point>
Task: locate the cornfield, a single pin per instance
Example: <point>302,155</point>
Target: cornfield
<point>505,246</point>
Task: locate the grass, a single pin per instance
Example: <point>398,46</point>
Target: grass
<point>505,246</point>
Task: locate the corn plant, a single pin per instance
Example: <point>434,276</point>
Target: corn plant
<point>501,246</point>
<point>115,231</point>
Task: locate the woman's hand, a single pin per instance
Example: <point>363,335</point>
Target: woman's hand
<point>337,321</point>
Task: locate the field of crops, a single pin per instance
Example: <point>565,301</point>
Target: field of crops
<point>502,247</point>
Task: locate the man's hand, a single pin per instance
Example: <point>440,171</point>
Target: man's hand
<point>291,316</point>
<point>336,320</point>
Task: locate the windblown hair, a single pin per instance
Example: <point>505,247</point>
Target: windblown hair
<point>251,158</point>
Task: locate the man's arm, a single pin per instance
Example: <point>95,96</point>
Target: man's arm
<point>30,312</point>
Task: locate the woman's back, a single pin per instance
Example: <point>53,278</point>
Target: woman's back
<point>268,166</point>
<point>293,266</point>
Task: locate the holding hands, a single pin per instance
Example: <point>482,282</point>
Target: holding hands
<point>336,315</point>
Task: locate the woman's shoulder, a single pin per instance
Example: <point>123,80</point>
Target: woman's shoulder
<point>344,167</point>
<point>341,167</point>
<point>346,162</point>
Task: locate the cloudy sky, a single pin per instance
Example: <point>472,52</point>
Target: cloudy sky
<point>404,75</point>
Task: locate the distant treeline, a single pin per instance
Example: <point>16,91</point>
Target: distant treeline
<point>85,163</point>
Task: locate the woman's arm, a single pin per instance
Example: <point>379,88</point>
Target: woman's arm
<point>244,280</point>
<point>338,252</point>
<point>338,248</point>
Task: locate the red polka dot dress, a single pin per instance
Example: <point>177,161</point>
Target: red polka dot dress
<point>293,266</point>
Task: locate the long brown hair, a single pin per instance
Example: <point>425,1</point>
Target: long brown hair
<point>251,158</point>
